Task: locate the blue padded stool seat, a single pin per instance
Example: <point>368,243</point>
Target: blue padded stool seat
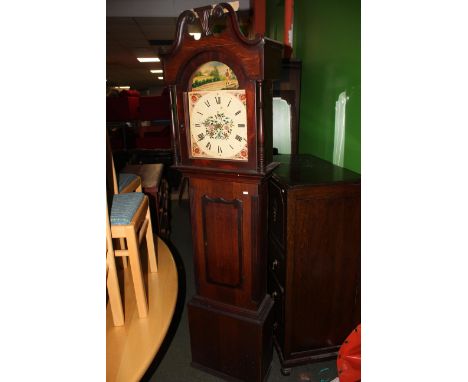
<point>125,180</point>
<point>124,207</point>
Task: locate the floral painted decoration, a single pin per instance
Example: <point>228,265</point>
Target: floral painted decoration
<point>218,126</point>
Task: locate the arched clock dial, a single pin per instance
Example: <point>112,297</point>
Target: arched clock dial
<point>218,124</point>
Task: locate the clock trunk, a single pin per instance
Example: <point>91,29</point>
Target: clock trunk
<point>230,318</point>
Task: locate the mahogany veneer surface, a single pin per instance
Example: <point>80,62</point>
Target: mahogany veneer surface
<point>313,256</point>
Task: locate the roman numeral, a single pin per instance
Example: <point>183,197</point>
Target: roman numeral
<point>219,150</point>
<point>239,138</point>
<point>197,125</point>
<point>207,103</point>
<point>229,102</point>
<point>238,112</point>
<point>218,100</point>
<point>231,147</point>
<point>199,113</point>
<point>201,136</point>
<point>241,125</point>
<point>208,145</point>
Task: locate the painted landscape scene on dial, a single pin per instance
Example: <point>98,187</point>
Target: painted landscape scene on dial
<point>214,75</point>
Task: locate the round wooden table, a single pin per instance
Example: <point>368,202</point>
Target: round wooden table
<point>131,348</point>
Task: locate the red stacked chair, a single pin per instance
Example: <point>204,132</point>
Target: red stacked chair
<point>155,122</point>
<point>124,107</point>
<point>120,110</point>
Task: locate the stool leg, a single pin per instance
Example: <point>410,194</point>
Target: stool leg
<point>152,250</point>
<point>113,289</point>
<point>122,246</point>
<point>137,275</point>
<point>152,194</point>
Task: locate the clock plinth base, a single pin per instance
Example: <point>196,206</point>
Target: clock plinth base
<point>233,344</point>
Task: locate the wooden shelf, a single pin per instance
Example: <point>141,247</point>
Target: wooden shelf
<point>131,348</point>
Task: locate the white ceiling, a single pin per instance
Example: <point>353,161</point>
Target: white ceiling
<point>130,24</point>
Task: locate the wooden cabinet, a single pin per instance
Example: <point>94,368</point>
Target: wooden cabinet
<point>313,257</point>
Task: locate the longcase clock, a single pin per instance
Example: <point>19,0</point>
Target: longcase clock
<point>221,94</point>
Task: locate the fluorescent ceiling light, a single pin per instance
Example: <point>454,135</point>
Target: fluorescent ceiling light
<point>122,87</point>
<point>196,36</point>
<point>148,59</point>
<point>160,78</point>
<point>156,71</point>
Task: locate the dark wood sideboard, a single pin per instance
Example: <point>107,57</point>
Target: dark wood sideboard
<point>314,257</point>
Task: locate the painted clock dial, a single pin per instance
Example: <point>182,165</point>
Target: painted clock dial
<point>218,124</point>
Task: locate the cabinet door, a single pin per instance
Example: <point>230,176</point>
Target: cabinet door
<point>225,218</point>
<point>323,267</point>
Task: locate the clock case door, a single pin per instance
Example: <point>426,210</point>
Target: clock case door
<point>255,63</point>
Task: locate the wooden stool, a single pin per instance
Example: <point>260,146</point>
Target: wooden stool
<point>157,188</point>
<point>129,183</point>
<point>122,184</point>
<point>130,220</point>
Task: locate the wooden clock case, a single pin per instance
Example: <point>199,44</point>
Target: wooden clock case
<point>230,317</point>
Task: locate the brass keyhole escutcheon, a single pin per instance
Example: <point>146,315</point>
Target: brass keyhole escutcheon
<point>274,265</point>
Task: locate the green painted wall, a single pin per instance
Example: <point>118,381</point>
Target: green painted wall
<point>327,38</point>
